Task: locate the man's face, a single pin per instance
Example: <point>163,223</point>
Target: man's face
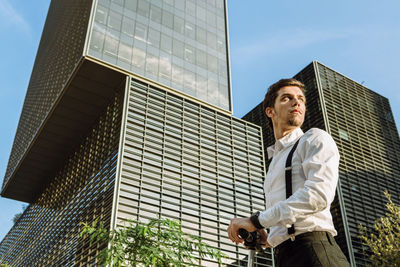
<point>289,108</point>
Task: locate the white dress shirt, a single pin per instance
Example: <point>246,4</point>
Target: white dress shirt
<point>315,166</point>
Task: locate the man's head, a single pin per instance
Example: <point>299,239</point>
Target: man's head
<point>284,104</point>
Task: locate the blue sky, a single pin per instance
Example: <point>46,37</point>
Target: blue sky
<point>269,40</point>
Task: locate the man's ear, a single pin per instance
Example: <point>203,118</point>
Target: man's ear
<point>269,111</point>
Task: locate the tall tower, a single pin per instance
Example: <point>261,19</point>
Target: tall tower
<point>362,125</point>
<point>128,115</point>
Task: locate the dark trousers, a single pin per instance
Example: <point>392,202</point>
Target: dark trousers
<point>309,250</point>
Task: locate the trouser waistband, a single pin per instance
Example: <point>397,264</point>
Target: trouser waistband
<point>309,236</point>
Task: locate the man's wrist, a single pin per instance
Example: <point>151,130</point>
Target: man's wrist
<point>255,221</point>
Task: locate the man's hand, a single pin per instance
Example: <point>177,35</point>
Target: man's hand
<point>263,239</point>
<point>235,225</point>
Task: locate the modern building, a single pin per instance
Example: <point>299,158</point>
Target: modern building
<point>128,115</point>
<point>361,122</point>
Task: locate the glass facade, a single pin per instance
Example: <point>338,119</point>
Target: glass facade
<point>361,123</point>
<point>178,43</point>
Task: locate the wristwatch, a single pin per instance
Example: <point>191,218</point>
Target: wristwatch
<point>255,221</point>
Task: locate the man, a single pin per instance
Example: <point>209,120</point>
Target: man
<point>314,176</point>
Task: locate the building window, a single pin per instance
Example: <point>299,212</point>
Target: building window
<point>389,116</point>
<point>343,134</point>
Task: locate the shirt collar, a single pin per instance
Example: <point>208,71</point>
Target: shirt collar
<point>285,141</point>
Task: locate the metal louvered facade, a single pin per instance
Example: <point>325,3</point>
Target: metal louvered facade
<point>178,159</point>
<point>128,116</point>
<point>362,125</point>
<point>184,161</point>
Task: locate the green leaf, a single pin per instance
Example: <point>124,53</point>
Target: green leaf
<point>161,242</point>
<point>383,241</point>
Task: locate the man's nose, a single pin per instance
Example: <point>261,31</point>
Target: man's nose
<point>296,101</point>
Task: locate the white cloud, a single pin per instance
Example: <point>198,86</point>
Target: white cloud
<point>10,17</point>
<point>284,41</point>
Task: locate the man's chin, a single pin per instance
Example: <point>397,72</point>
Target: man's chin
<point>295,122</point>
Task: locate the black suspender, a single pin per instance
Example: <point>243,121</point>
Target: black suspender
<point>288,180</point>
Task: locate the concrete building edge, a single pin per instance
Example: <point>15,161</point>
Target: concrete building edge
<point>114,209</point>
<point>228,55</point>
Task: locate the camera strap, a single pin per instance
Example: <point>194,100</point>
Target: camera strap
<point>288,180</point>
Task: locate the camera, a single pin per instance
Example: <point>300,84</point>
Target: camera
<point>251,239</point>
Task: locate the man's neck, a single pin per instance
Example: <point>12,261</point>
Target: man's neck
<point>281,132</point>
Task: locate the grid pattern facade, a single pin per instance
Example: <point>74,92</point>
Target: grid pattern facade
<point>184,161</point>
<point>362,124</point>
<point>47,234</point>
<point>179,43</point>
<point>59,51</point>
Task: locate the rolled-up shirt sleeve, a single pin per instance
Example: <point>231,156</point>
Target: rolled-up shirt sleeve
<point>320,162</point>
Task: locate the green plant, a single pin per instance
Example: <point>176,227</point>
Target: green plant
<point>18,215</point>
<point>384,243</point>
<point>161,242</point>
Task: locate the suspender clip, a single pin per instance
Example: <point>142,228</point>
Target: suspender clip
<point>292,237</point>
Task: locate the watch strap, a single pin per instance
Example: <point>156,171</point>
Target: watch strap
<point>254,219</point>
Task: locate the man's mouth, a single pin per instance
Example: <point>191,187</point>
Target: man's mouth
<point>295,111</point>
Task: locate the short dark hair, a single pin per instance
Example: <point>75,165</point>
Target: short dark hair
<point>272,93</point>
